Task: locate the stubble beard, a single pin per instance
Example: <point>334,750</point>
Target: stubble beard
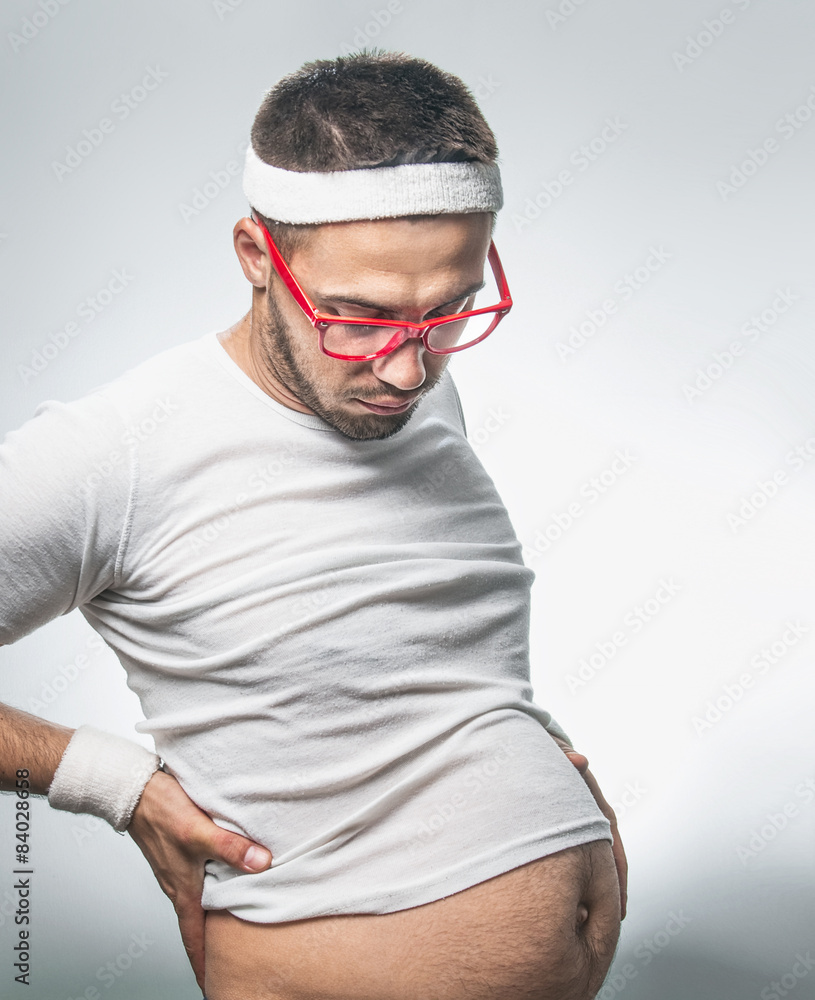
<point>279,355</point>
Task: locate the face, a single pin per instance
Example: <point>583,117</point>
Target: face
<point>408,269</point>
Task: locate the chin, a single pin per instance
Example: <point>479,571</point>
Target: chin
<point>367,428</point>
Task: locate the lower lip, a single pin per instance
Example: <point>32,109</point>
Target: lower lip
<point>387,410</point>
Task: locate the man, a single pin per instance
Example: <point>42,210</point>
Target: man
<point>317,594</point>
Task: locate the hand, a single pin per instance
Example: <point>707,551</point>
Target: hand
<point>582,764</point>
<point>177,838</point>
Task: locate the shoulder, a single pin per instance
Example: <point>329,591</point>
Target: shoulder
<point>443,401</point>
<point>159,383</point>
<point>69,442</point>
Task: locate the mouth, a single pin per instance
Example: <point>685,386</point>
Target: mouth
<point>389,408</point>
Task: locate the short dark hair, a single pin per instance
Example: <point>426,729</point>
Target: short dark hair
<point>368,109</point>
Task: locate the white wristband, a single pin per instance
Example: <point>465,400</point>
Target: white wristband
<point>102,774</point>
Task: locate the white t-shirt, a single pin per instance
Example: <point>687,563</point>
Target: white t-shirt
<point>329,638</point>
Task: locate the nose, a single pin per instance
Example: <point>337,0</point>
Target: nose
<point>403,368</point>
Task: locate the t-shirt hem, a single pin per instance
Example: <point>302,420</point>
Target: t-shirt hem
<point>467,875</point>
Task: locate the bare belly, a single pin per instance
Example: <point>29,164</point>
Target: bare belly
<point>544,931</point>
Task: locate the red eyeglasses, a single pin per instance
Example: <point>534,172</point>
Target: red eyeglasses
<point>357,338</point>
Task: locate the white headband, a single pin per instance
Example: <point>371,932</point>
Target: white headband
<point>376,193</point>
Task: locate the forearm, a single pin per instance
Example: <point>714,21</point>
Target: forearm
<point>26,741</point>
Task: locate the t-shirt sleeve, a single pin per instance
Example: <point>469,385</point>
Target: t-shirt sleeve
<point>65,489</point>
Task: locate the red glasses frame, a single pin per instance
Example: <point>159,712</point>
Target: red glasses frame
<point>402,329</point>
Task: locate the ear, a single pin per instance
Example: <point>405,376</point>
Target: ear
<point>250,246</point>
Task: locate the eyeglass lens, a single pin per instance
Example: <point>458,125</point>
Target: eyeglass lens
<point>359,340</point>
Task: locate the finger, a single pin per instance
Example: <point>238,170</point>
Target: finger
<point>580,761</point>
<point>236,851</point>
<point>623,891</point>
<point>191,918</point>
<point>617,849</point>
<point>622,872</point>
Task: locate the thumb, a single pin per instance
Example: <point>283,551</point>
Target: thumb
<point>256,858</point>
<point>240,852</point>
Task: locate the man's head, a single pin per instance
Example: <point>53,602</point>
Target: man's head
<point>353,115</point>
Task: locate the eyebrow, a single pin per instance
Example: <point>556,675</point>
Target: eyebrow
<point>351,300</point>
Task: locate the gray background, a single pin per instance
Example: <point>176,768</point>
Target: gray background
<point>721,898</point>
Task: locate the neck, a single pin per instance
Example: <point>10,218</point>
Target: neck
<point>242,342</point>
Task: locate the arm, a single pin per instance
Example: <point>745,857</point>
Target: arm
<point>63,525</point>
<point>27,741</point>
<point>173,834</point>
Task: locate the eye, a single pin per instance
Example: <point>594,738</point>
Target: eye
<point>356,311</point>
<point>454,307</point>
